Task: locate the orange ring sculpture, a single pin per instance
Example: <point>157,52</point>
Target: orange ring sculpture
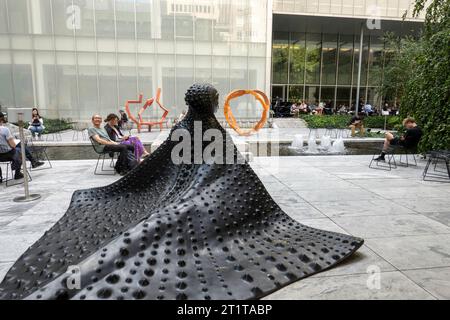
<point>259,96</point>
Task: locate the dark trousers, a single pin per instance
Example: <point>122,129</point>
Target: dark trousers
<point>28,154</point>
<point>14,157</point>
<point>126,160</point>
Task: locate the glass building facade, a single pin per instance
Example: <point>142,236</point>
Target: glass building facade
<point>323,67</point>
<point>384,9</point>
<point>73,58</point>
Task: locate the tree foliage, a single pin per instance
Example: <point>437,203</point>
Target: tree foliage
<point>400,57</point>
<point>427,89</point>
<point>417,74</point>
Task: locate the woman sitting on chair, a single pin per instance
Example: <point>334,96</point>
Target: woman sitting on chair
<point>115,134</point>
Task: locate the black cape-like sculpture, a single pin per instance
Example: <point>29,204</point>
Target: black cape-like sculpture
<point>176,231</point>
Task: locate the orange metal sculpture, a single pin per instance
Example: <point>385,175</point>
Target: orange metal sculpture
<point>259,96</point>
<point>140,122</point>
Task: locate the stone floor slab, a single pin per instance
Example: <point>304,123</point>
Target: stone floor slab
<point>436,281</point>
<point>392,286</point>
<point>413,252</point>
<point>352,208</point>
<point>442,217</point>
<point>391,226</point>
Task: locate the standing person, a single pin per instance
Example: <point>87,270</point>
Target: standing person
<point>123,118</point>
<point>409,140</point>
<point>116,135</point>
<point>101,140</point>
<point>36,124</point>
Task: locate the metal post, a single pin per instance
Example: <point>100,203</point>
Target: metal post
<point>28,197</point>
<point>358,85</point>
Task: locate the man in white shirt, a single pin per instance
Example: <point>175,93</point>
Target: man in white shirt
<point>8,151</point>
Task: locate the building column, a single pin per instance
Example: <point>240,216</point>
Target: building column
<point>358,85</point>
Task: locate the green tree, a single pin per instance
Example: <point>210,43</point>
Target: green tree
<point>427,89</point>
<point>400,56</point>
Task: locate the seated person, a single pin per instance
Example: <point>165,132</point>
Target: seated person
<point>7,146</point>
<point>319,110</point>
<point>36,124</point>
<point>303,108</point>
<point>328,109</point>
<point>409,140</point>
<point>8,152</point>
<point>116,135</point>
<point>123,119</point>
<point>103,143</point>
<point>368,109</point>
<point>313,108</point>
<point>295,108</point>
<point>357,122</point>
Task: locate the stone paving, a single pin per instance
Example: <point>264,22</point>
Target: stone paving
<point>405,221</point>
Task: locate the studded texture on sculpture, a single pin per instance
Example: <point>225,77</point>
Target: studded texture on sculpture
<point>167,231</point>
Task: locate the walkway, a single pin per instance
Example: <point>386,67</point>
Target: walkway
<point>405,222</point>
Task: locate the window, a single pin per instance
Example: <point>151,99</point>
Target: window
<point>297,58</point>
<point>18,16</point>
<point>280,55</point>
<point>329,56</point>
<point>375,61</point>
<point>342,96</point>
<point>104,15</point>
<point>295,93</point>
<point>125,19</point>
<point>345,59</point>
<point>143,19</point>
<point>313,55</point>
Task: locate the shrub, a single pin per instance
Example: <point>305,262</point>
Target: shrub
<point>378,122</point>
<point>427,93</point>
<point>56,125</point>
<point>341,121</point>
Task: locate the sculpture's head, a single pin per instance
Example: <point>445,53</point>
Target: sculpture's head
<point>202,98</point>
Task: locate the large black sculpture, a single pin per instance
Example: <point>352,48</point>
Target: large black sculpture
<point>176,231</point>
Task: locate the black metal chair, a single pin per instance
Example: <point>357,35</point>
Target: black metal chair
<point>402,151</point>
<point>386,165</point>
<point>434,157</point>
<point>102,156</point>
<point>8,170</point>
<point>406,152</point>
<point>39,153</point>
<point>79,128</point>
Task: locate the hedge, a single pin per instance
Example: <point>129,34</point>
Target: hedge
<point>341,121</point>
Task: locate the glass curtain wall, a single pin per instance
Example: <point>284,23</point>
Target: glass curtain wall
<point>73,58</point>
<point>323,67</point>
